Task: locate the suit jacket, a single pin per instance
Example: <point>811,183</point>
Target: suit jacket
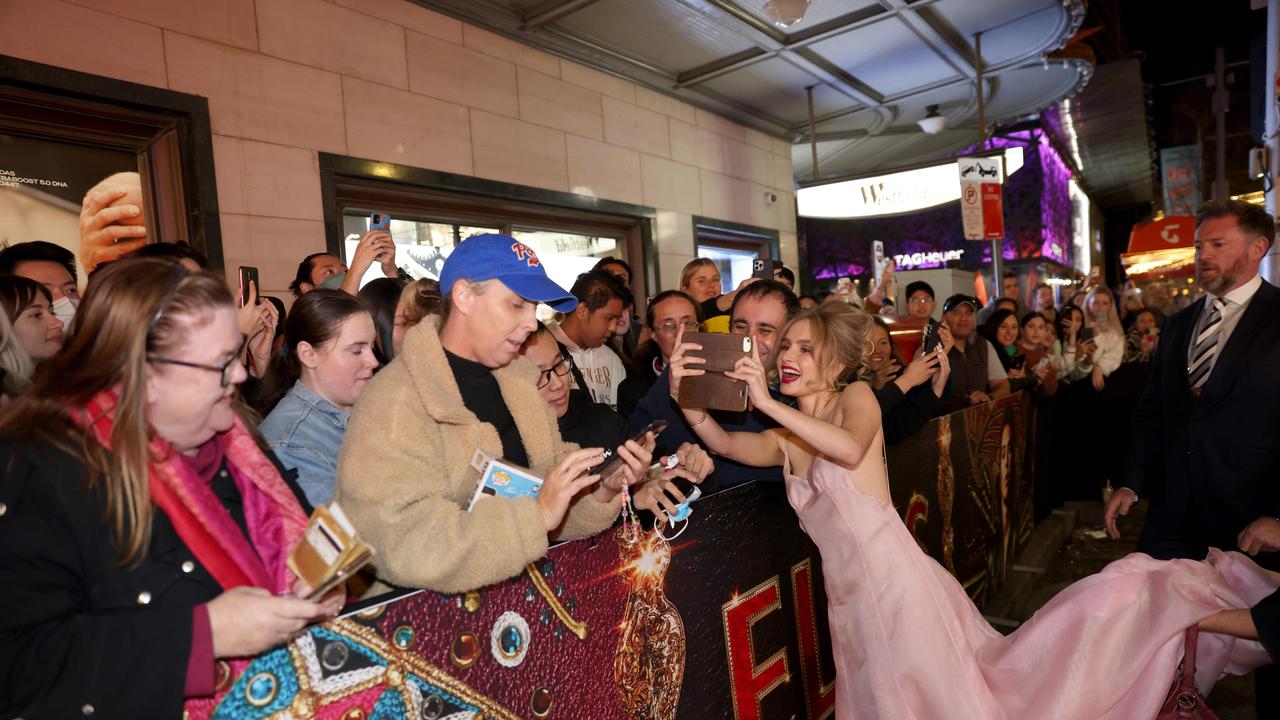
<point>1210,464</point>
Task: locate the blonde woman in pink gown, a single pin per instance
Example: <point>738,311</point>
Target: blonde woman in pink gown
<point>907,641</point>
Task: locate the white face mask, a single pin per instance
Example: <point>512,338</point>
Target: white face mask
<point>64,308</point>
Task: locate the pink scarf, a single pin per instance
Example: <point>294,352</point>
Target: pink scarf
<point>275,520</point>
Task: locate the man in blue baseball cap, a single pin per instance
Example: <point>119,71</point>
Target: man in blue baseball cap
<point>455,397</point>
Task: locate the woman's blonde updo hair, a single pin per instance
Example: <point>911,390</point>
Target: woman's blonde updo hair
<point>842,341</point>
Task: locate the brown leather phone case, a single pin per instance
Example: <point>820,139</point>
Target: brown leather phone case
<point>714,391</point>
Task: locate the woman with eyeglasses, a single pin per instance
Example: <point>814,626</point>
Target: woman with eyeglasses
<point>667,312</point>
<point>591,424</point>
<point>143,532</point>
<point>313,382</point>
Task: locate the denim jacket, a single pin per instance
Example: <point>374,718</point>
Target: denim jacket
<point>305,431</point>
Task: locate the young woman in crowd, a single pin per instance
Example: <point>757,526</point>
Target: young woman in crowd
<point>1143,336</point>
<point>313,383</point>
<point>418,300</point>
<point>1004,332</point>
<point>15,363</point>
<point>700,280</point>
<point>382,297</point>
<point>908,394</point>
<point>145,533</point>
<point>591,424</point>
<point>1106,647</point>
<point>29,308</point>
<point>1072,355</point>
<point>1100,315</point>
<point>666,314</point>
<point>1038,362</point>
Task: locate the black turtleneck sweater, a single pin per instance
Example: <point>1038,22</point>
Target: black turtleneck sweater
<point>482,396</point>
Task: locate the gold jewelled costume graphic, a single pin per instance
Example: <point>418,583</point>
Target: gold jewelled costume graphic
<point>649,665</point>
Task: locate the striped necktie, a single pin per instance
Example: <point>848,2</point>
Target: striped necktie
<point>1206,346</point>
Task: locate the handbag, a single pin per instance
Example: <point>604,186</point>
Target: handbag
<point>1183,701</point>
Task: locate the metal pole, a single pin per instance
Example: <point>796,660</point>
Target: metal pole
<point>997,246</point>
<point>1271,263</point>
<point>1220,99</point>
<point>813,133</point>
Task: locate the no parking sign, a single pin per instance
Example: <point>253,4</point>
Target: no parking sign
<point>981,197</point>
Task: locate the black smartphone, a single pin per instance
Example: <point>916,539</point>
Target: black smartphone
<point>249,274</point>
<point>1085,335</point>
<point>762,268</point>
<point>932,340</point>
<point>379,220</point>
<point>1018,362</point>
<point>613,462</point>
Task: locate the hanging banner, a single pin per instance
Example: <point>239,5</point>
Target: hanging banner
<point>1180,176</point>
<point>981,197</point>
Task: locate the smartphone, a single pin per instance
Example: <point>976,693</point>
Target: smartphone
<point>715,391</point>
<point>614,463</point>
<point>1084,335</point>
<point>1018,362</point>
<point>932,340</point>
<point>249,274</point>
<point>762,268</point>
<point>379,220</point>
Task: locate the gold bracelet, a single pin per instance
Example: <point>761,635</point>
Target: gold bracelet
<point>701,420</point>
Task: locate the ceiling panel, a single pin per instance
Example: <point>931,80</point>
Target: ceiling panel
<point>1025,90</point>
<point>778,88</point>
<point>888,56</point>
<point>907,55</point>
<point>1011,29</point>
<point>819,11</point>
<point>665,33</point>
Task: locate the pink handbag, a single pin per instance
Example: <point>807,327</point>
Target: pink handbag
<point>1184,701</point>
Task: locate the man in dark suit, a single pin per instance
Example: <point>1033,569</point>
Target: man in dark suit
<point>1208,425</point>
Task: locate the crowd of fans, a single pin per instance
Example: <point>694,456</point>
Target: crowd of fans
<point>204,428</point>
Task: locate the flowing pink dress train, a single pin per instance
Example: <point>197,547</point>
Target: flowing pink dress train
<point>909,643</point>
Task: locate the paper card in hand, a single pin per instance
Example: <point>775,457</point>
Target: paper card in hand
<point>714,391</point>
<point>330,551</point>
<point>501,479</point>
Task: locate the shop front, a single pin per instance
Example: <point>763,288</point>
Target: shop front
<point>913,217</point>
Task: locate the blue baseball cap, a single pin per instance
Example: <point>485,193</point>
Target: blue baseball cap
<point>501,257</point>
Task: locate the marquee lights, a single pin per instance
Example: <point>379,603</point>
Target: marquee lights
<point>891,194</point>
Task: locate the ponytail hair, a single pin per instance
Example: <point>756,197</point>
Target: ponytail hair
<point>314,319</point>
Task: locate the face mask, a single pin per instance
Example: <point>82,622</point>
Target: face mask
<point>1100,316</point>
<point>334,281</point>
<point>64,308</point>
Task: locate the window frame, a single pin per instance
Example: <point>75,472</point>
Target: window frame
<point>169,131</point>
<point>462,199</point>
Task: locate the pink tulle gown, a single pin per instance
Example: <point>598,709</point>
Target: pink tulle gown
<point>908,642</point>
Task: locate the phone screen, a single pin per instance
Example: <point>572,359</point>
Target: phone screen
<point>248,274</point>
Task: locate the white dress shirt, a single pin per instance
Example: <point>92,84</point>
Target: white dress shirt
<point>1237,301</point>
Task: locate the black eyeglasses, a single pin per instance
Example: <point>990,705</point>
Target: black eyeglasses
<point>561,368</point>
<point>225,370</point>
